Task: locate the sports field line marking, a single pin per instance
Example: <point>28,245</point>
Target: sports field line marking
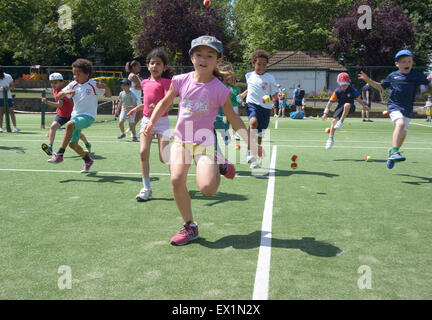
<point>421,124</point>
<point>261,286</point>
<point>104,172</point>
<point>348,147</point>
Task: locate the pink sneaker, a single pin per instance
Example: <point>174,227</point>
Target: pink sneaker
<point>225,168</point>
<point>56,158</point>
<point>87,166</point>
<point>186,234</point>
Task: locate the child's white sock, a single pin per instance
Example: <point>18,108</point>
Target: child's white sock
<point>146,183</point>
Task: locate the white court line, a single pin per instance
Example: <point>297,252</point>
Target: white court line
<point>276,124</point>
<point>421,124</point>
<point>261,286</point>
<point>104,172</point>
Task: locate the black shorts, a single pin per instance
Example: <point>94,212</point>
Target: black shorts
<point>339,110</point>
<point>61,120</point>
<point>298,102</point>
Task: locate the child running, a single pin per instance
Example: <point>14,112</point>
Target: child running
<point>154,89</point>
<point>127,101</point>
<point>64,111</point>
<point>260,83</point>
<point>134,68</point>
<point>201,94</point>
<point>344,96</point>
<point>403,85</point>
<point>84,92</point>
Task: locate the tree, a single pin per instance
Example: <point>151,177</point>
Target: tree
<point>285,24</point>
<point>420,13</point>
<point>391,31</point>
<point>174,24</point>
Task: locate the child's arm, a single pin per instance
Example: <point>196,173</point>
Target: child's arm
<point>243,94</point>
<point>58,104</point>
<point>62,94</point>
<point>365,107</point>
<point>369,81</point>
<point>135,110</point>
<point>101,85</point>
<point>119,107</point>
<point>162,107</point>
<point>238,125</point>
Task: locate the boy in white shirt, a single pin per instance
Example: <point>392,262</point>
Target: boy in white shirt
<point>84,92</point>
<point>260,84</point>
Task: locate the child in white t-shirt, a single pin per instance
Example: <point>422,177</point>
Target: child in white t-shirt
<point>84,93</point>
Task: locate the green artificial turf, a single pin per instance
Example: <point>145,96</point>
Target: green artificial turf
<point>332,215</point>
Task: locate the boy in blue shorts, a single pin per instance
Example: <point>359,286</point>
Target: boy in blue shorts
<point>344,96</point>
<point>403,85</point>
<point>260,83</point>
<point>84,93</point>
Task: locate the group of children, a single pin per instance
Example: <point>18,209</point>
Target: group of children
<point>202,93</point>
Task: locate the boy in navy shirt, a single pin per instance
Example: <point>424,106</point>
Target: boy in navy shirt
<point>344,96</point>
<point>403,85</point>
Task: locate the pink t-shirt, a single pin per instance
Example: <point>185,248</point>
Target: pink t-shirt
<point>154,91</point>
<point>199,104</point>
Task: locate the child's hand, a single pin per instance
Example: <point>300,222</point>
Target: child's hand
<point>152,106</point>
<point>101,85</point>
<point>363,76</point>
<point>44,100</point>
<point>130,113</point>
<point>148,130</point>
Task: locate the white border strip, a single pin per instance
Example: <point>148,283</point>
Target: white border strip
<point>261,286</point>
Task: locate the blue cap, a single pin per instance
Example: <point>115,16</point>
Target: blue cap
<point>207,41</point>
<point>403,52</point>
<point>126,81</point>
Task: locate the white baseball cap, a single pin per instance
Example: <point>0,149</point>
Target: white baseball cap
<point>55,76</point>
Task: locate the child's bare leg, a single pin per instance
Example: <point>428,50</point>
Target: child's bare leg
<point>121,125</point>
<point>132,128</point>
<point>145,144</point>
<point>399,133</point>
<point>70,127</point>
<point>164,149</point>
<point>53,129</point>
<point>179,170</point>
<point>207,174</point>
<point>332,127</point>
<point>253,125</point>
<point>347,108</point>
<point>83,138</point>
<point>77,148</point>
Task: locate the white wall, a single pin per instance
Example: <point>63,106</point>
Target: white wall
<point>310,81</point>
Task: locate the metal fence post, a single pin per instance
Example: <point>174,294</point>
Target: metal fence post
<point>43,111</point>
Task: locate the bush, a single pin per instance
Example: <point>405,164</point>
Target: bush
<point>112,82</point>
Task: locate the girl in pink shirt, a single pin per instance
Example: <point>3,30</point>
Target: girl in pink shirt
<point>154,89</point>
<point>201,94</point>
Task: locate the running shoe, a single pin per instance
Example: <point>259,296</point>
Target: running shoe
<point>225,168</point>
<point>46,148</point>
<point>87,165</point>
<point>330,143</point>
<point>186,234</point>
<point>396,156</point>
<point>56,158</point>
<point>121,136</point>
<point>338,125</point>
<point>144,195</point>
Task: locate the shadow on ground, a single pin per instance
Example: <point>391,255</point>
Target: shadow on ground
<point>250,241</point>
